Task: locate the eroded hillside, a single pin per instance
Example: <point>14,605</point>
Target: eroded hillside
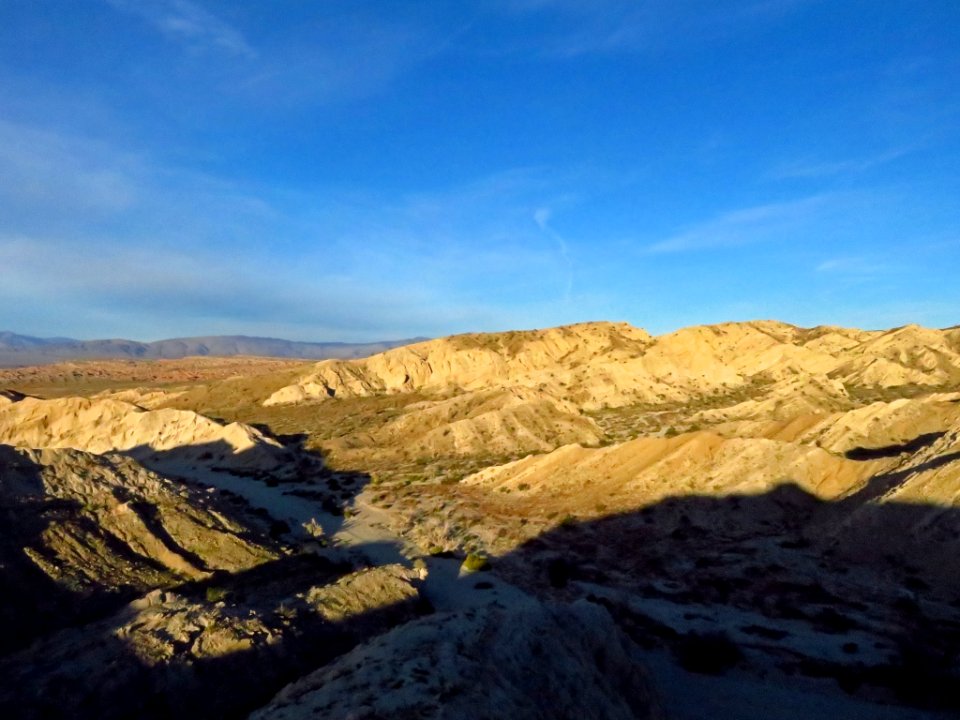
<point>773,501</point>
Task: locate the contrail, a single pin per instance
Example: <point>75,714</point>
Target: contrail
<point>542,217</point>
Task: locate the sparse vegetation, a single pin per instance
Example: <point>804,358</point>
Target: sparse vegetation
<point>215,594</point>
<point>475,563</point>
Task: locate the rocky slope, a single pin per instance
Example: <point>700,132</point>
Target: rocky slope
<point>159,438</point>
<point>502,395</point>
<point>82,531</point>
<point>594,364</point>
<point>529,663</point>
<point>495,423</point>
<point>214,650</point>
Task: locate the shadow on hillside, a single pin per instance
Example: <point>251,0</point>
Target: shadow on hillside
<point>883,483</point>
<point>891,451</point>
<point>862,593</point>
<point>31,602</point>
<point>118,668</point>
<point>262,506</point>
<point>867,594</point>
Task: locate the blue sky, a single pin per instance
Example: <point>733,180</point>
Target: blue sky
<point>337,170</point>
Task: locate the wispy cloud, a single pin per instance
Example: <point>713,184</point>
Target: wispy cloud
<point>852,266</point>
<point>747,225</point>
<point>155,292</point>
<point>93,234</point>
<point>569,28</point>
<point>342,58</point>
<point>335,53</point>
<point>811,168</point>
<point>189,23</point>
<point>42,169</point>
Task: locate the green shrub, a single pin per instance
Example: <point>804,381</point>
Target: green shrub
<point>475,562</point>
<point>216,594</point>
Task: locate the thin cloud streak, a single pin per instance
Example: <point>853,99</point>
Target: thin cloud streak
<point>812,169</point>
<point>188,23</point>
<point>163,247</point>
<point>852,266</point>
<point>744,226</point>
<point>570,29</point>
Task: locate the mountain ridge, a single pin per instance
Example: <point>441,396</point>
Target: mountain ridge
<point>19,350</point>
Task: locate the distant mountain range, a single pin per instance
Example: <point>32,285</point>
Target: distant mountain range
<point>17,350</point>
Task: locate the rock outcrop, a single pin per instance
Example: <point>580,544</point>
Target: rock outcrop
<point>614,364</point>
<point>217,649</point>
<point>167,439</point>
<point>535,663</point>
<point>82,531</point>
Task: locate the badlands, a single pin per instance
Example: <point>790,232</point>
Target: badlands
<point>745,520</point>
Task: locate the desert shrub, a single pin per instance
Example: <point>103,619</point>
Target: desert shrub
<point>707,653</point>
<point>475,562</point>
<point>313,528</point>
<point>215,594</point>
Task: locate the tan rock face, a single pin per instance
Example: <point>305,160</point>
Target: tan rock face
<point>165,437</point>
<point>647,470</point>
<point>482,422</point>
<point>783,404</point>
<point>363,591</point>
<point>596,363</point>
<point>471,362</point>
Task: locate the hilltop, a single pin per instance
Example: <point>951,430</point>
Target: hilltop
<point>615,364</point>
